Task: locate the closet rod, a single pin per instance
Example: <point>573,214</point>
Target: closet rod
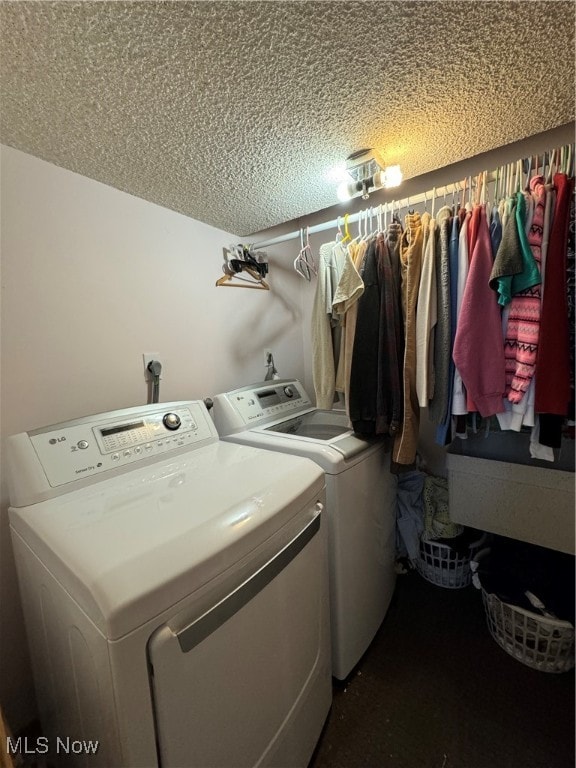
<point>402,203</point>
<point>421,197</point>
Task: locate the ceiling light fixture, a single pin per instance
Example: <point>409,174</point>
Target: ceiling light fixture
<point>365,174</point>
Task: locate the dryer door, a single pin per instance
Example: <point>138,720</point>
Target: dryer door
<point>247,683</point>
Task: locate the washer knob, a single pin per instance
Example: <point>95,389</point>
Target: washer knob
<point>288,391</point>
<point>171,421</point>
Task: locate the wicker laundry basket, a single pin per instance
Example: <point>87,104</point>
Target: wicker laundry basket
<point>538,641</point>
<point>440,564</point>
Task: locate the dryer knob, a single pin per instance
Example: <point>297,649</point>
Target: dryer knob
<point>171,421</point>
<point>288,391</point>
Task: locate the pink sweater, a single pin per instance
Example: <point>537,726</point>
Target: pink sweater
<point>479,346</point>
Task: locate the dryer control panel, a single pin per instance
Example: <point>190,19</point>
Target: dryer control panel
<point>258,403</point>
<point>64,453</point>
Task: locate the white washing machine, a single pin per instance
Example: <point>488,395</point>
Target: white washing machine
<point>175,590</point>
<point>360,500</point>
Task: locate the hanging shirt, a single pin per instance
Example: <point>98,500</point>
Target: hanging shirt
<point>389,395</point>
<point>522,414</point>
<point>495,231</point>
<point>405,443</point>
<point>459,406</point>
<point>330,265</point>
<point>443,432</point>
<point>364,368</point>
<point>478,346</point>
<point>349,330</point>
<point>438,404</point>
<point>521,344</point>
<point>473,229</point>
<point>350,288</point>
<point>508,260</point>
<point>553,361</point>
<point>426,314</point>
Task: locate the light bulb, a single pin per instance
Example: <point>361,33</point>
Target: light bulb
<point>343,191</point>
<point>379,179</point>
<point>392,176</point>
<point>337,173</point>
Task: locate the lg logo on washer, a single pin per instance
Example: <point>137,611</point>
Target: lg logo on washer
<point>54,440</point>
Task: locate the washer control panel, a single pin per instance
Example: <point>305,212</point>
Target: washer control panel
<point>78,449</point>
<point>259,403</point>
<point>145,431</point>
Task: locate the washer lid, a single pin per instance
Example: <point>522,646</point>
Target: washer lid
<point>323,436</point>
<point>131,546</point>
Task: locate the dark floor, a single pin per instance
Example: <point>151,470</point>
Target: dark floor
<point>434,690</point>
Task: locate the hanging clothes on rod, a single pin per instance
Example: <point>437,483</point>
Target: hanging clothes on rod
<point>488,247</point>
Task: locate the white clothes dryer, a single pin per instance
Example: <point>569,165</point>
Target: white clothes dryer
<point>175,590</point>
<point>360,500</point>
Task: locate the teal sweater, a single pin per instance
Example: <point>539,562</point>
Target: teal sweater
<point>515,269</point>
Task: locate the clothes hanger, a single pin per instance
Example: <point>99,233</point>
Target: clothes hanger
<point>373,215</point>
<point>363,225</point>
<point>528,162</point>
<point>302,269</point>
<point>566,161</point>
<point>379,218</point>
<point>570,160</point>
<point>250,259</point>
<point>304,263</point>
<point>257,282</point>
<point>358,237</point>
<point>496,188</point>
<point>478,189</point>
<point>368,225</point>
<point>347,236</point>
<point>240,259</point>
<point>455,197</point>
<point>364,217</point>
<point>551,164</point>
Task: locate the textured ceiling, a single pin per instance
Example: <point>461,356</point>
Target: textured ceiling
<point>234,112</point>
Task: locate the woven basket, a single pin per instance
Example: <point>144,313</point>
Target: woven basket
<point>537,641</point>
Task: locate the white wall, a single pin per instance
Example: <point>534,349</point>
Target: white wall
<point>92,278</point>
